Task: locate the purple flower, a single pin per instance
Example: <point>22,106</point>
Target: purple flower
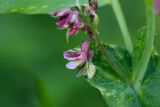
<point>81,58</point>
<point>157,3</point>
<point>69,18</point>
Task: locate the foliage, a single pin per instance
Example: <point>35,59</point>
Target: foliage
<point>124,79</point>
<point>37,6</point>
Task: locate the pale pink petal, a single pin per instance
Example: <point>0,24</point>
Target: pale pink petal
<point>74,16</point>
<point>64,12</point>
<point>73,64</point>
<point>85,46</point>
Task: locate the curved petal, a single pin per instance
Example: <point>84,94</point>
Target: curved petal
<point>73,31</point>
<point>73,64</point>
<point>85,46</point>
<point>63,12</point>
<point>71,55</point>
<point>62,24</point>
<point>74,16</point>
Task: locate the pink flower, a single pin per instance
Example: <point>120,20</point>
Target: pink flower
<point>75,28</point>
<point>69,18</point>
<point>157,4</point>
<point>81,58</point>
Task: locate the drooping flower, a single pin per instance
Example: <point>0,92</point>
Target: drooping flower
<point>81,58</point>
<point>69,18</point>
<point>157,5</point>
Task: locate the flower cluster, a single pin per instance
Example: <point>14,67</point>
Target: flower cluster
<point>157,3</point>
<point>69,18</point>
<point>73,20</point>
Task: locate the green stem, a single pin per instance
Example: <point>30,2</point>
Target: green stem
<point>122,23</point>
<point>142,68</point>
<point>108,59</point>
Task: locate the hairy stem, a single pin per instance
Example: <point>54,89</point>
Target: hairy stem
<point>108,59</point>
<point>122,23</point>
<point>141,70</point>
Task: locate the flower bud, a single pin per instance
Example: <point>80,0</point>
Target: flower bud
<point>93,4</point>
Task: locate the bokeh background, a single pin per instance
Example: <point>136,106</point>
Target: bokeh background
<point>32,68</point>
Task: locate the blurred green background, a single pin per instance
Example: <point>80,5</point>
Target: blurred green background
<point>32,68</point>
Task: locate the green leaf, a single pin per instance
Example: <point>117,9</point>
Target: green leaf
<point>150,91</point>
<point>120,57</point>
<point>139,49</point>
<point>115,92</point>
<point>38,6</point>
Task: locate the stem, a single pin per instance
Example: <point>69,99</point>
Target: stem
<point>122,24</point>
<point>142,68</point>
<point>107,58</point>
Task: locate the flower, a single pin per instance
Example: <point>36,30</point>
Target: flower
<point>69,18</point>
<point>157,4</point>
<point>81,58</point>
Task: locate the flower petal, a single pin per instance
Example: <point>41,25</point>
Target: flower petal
<point>73,31</point>
<point>73,64</point>
<point>62,12</point>
<point>85,46</point>
<point>62,24</point>
<point>71,55</point>
<point>91,71</point>
<point>74,16</point>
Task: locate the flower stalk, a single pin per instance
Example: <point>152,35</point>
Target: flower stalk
<point>108,59</point>
<point>94,5</point>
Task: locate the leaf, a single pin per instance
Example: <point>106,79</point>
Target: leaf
<point>139,48</point>
<point>38,6</point>
<point>150,91</point>
<point>115,92</point>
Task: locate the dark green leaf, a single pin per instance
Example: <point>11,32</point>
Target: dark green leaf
<point>115,92</point>
<point>38,6</point>
<point>150,92</point>
<point>119,57</point>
